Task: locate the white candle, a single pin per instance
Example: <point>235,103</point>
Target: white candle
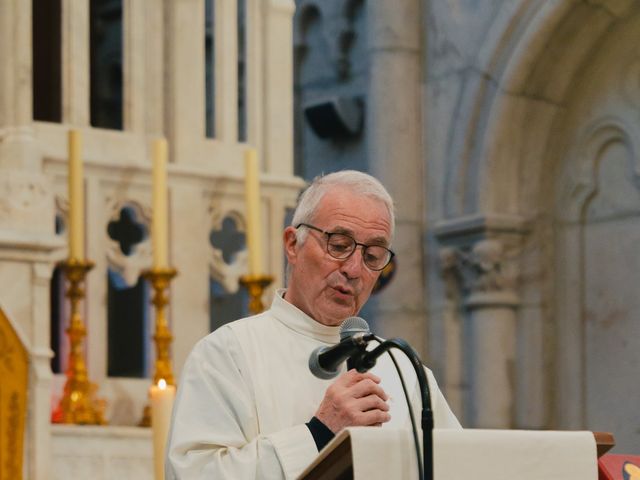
<point>252,195</point>
<point>162,396</point>
<point>76,197</point>
<point>159,226</point>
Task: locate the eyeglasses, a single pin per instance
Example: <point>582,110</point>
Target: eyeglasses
<point>341,246</point>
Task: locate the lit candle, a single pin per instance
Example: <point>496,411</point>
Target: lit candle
<point>162,396</point>
<point>76,197</point>
<point>159,229</point>
<point>252,194</point>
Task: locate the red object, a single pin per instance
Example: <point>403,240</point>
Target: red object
<point>619,467</point>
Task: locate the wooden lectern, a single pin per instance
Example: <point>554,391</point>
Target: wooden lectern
<point>377,453</point>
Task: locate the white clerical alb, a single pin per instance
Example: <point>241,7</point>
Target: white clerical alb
<point>246,392</point>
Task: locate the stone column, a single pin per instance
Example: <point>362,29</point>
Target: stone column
<point>75,63</point>
<point>277,74</point>
<point>38,443</point>
<point>185,88</point>
<point>480,259</point>
<point>17,145</point>
<point>490,335</point>
<point>394,148</point>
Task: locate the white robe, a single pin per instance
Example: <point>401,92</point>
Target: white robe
<point>246,392</point>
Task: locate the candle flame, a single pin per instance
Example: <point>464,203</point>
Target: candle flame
<point>162,384</point>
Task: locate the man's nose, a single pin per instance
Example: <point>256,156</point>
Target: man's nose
<point>353,265</point>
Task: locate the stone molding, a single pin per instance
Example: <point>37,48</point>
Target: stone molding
<point>462,229</point>
<point>16,245</point>
<point>581,182</point>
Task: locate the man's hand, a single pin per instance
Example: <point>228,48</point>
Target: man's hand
<point>354,399</point>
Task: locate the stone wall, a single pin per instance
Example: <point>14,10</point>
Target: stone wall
<point>528,133</point>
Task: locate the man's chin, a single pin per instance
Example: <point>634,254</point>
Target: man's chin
<point>339,315</point>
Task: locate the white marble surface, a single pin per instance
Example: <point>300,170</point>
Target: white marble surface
<point>101,453</point>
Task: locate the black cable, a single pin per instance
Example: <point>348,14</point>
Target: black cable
<point>414,427</point>
<point>368,360</point>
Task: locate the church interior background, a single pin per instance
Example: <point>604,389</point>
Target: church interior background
<point>506,130</point>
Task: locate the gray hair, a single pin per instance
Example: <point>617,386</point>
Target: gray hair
<point>358,182</point>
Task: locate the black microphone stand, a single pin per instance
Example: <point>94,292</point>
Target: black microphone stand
<point>367,360</point>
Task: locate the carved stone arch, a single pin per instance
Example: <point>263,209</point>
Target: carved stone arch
<point>591,269</point>
<point>130,267</point>
<point>589,146</point>
<point>508,138</point>
<point>517,83</point>
<point>227,274</point>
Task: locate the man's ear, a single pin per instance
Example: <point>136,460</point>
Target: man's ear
<point>290,244</point>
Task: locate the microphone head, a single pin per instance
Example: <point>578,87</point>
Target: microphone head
<point>324,361</point>
<point>317,369</point>
<point>353,325</point>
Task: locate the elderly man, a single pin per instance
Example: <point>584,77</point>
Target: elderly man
<point>248,406</point>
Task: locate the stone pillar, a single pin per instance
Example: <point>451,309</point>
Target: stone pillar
<point>75,63</point>
<point>17,145</point>
<point>491,304</point>
<point>40,376</point>
<point>489,332</point>
<point>185,88</point>
<point>277,119</point>
<point>483,266</point>
<point>394,148</point>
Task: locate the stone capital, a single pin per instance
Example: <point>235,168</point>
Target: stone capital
<point>479,258</point>
<point>481,269</point>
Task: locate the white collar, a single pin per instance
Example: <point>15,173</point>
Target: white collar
<point>300,322</point>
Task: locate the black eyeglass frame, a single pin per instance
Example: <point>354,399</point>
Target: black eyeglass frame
<point>355,246</point>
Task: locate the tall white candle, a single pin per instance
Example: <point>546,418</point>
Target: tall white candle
<point>76,197</point>
<point>162,396</point>
<point>159,227</point>
<point>252,195</point>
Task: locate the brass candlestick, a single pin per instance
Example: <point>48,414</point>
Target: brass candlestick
<point>160,279</point>
<point>78,404</point>
<point>255,285</point>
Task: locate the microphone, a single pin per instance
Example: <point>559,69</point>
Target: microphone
<point>354,336</point>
